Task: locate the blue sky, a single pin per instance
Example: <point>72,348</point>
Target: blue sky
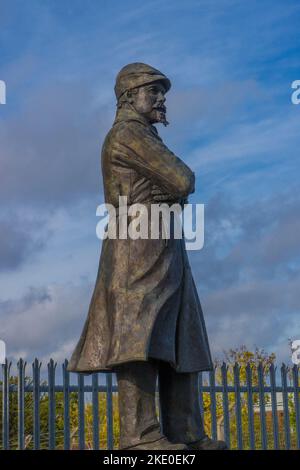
<point>231,64</point>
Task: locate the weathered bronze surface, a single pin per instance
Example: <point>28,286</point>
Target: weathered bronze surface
<point>180,419</point>
<point>145,307</point>
<point>143,286</point>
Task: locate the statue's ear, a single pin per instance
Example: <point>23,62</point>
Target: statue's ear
<point>129,95</point>
<point>126,97</point>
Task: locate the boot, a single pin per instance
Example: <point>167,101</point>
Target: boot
<point>207,444</point>
<point>160,444</point>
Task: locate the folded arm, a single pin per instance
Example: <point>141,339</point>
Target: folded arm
<point>138,148</point>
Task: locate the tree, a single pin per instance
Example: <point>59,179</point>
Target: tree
<point>238,359</point>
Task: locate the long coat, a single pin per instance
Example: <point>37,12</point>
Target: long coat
<point>145,303</point>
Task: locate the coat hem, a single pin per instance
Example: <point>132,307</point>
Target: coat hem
<point>110,367</point>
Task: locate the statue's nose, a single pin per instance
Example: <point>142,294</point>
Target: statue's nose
<point>161,97</point>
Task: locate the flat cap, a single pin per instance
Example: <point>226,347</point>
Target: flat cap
<point>138,74</point>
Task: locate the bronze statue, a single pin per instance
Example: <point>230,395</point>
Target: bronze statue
<point>145,319</point>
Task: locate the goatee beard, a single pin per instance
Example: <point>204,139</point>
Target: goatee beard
<point>162,118</point>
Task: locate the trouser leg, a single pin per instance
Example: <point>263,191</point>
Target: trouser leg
<point>136,392</point>
<point>180,414</point>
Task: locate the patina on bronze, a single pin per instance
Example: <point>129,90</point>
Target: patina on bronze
<point>145,319</point>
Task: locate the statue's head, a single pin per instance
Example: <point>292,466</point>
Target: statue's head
<point>143,87</point>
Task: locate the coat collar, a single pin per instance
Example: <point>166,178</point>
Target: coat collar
<point>129,114</point>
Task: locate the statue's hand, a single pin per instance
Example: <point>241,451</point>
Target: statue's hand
<point>160,195</point>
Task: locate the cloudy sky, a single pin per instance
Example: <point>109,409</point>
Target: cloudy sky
<point>231,64</point>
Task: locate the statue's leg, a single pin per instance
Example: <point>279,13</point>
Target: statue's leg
<point>136,392</point>
<point>180,406</point>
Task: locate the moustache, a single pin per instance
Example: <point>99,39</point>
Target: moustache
<point>161,108</point>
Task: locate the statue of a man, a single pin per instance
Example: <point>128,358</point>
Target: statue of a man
<point>145,319</point>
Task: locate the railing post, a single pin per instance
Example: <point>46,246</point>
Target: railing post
<point>250,406</point>
<point>21,402</point>
<point>213,404</point>
<point>296,402</point>
<point>81,420</point>
<point>66,393</point>
<point>224,370</point>
<point>262,408</point>
<point>109,411</point>
<point>36,366</point>
<point>285,400</point>
<point>274,406</point>
<point>51,403</point>
<point>5,404</point>
<point>95,404</point>
<point>237,390</point>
